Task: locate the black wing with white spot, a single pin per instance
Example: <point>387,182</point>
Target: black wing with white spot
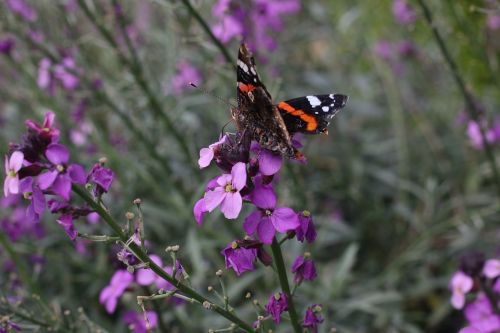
<point>246,74</point>
<point>311,114</point>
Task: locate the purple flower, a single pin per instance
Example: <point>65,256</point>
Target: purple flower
<point>35,195</point>
<point>304,269</point>
<point>492,268</point>
<point>7,45</point>
<point>276,306</point>
<point>238,258</point>
<point>403,13</point>
<point>110,294</point>
<point>66,222</point>
<point>44,79</point>
<point>60,176</point>
<point>460,285</point>
<point>227,193</point>
<point>102,177</point>
<point>269,162</point>
<point>268,220</point>
<point>207,154</point>
<point>137,323</point>
<point>21,8</point>
<point>481,316</point>
<point>312,318</point>
<point>186,73</point>
<point>384,50</point>
<point>146,276</point>
<point>228,28</point>
<point>493,22</point>
<point>470,329</point>
<point>12,167</point>
<point>46,131</point>
<point>64,73</point>
<point>474,134</point>
<point>306,229</point>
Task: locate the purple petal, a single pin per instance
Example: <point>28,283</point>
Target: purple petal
<point>263,195</point>
<point>251,222</point>
<point>231,206</point>
<point>45,180</point>
<point>77,174</point>
<point>206,156</point>
<point>38,201</point>
<point>492,268</point>
<point>62,186</point>
<point>284,219</point>
<point>269,163</point>
<point>214,198</point>
<point>224,179</point>
<point>26,185</point>
<point>146,276</point>
<point>16,161</point>
<point>13,184</point>
<point>57,154</point>
<point>266,231</point>
<point>239,176</point>
<point>48,120</point>
<point>66,221</point>
<point>199,210</point>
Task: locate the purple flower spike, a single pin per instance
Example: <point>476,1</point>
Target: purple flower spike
<point>12,167</point>
<point>227,193</point>
<point>238,258</point>
<point>306,230</point>
<point>59,177</point>
<point>110,294</point>
<point>207,154</point>
<point>276,306</point>
<point>136,322</point>
<point>460,285</point>
<point>492,268</point>
<point>312,318</point>
<point>304,269</point>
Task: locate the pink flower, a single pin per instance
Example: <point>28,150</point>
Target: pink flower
<point>12,167</point>
<point>110,294</point>
<point>460,285</point>
<point>227,193</point>
<point>207,154</point>
<point>492,268</point>
<point>481,316</point>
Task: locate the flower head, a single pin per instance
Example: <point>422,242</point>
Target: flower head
<point>12,167</point>
<point>227,193</point>
<point>312,318</point>
<point>481,316</point>
<point>460,285</point>
<point>306,229</point>
<point>238,258</point>
<point>402,12</point>
<point>102,177</point>
<point>110,294</point>
<point>304,269</point>
<point>137,323</point>
<point>276,306</point>
<point>21,8</point>
<point>207,154</point>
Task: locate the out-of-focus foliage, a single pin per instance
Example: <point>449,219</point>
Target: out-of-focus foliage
<point>398,190</point>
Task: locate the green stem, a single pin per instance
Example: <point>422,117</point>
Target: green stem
<point>208,31</point>
<point>471,108</point>
<point>141,255</point>
<point>280,267</point>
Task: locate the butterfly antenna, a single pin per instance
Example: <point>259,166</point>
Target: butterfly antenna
<point>226,102</point>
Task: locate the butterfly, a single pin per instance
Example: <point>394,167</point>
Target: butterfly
<point>273,125</point>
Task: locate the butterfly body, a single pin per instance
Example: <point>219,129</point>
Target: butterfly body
<point>273,125</point>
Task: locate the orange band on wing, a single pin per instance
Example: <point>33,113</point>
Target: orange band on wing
<point>246,88</point>
<point>311,123</point>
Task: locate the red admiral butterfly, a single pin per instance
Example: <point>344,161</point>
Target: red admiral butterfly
<point>271,125</point>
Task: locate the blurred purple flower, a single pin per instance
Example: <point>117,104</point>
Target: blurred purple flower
<point>312,318</point>
<point>493,22</point>
<point>384,49</point>
<point>8,326</point>
<point>136,322</point>
<point>227,193</point>
<point>12,167</point>
<point>306,229</point>
<point>110,294</point>
<point>481,316</point>
<point>474,134</point>
<point>44,79</point>
<point>460,285</point>
<point>46,131</point>
<point>470,329</point>
<point>238,258</point>
<point>491,268</point>
<point>7,44</point>
<point>268,220</point>
<point>146,276</point>
<point>16,225</point>
<point>21,8</point>
<point>207,154</point>
<point>304,269</point>
<point>60,176</point>
<point>276,306</point>
<point>64,73</point>
<point>406,48</point>
<point>403,13</point>
<point>186,73</point>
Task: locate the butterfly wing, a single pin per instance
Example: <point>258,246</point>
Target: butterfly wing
<point>311,114</point>
<point>248,79</point>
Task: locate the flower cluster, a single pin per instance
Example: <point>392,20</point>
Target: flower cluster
<point>476,289</point>
<point>249,176</point>
<point>254,21</point>
<point>39,170</point>
<point>475,137</point>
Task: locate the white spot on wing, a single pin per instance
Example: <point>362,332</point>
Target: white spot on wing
<point>242,65</point>
<point>253,71</point>
<point>331,96</point>
<point>325,108</point>
<point>313,100</point>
